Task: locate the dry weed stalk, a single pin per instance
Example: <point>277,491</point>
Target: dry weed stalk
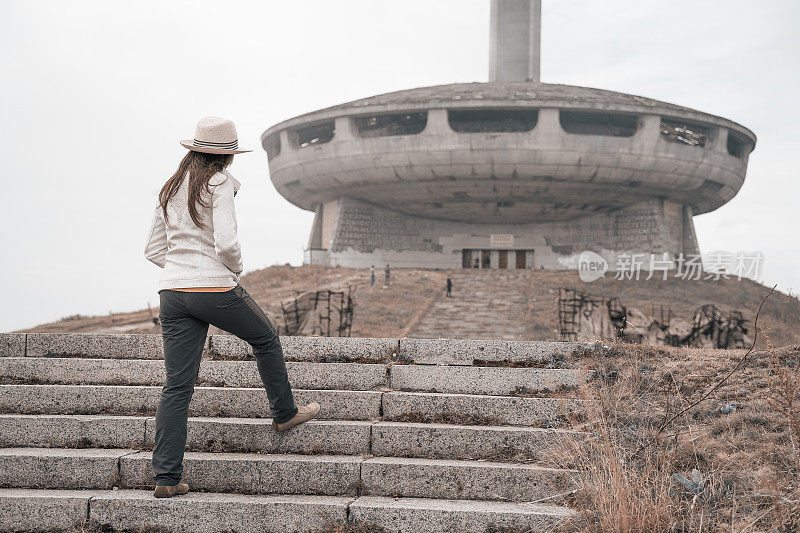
<point>784,397</point>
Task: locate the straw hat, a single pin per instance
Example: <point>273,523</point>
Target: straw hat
<point>214,136</point>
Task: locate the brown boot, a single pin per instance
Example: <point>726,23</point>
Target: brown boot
<point>168,491</point>
<point>304,414</point>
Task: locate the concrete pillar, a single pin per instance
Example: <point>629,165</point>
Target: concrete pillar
<point>548,130</point>
<point>718,139</point>
<point>648,132</point>
<point>437,123</point>
<point>342,129</point>
<point>286,146</point>
<point>515,35</point>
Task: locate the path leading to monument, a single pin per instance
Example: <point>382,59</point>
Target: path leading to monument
<point>486,304</point>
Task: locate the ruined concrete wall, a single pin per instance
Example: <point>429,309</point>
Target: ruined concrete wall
<point>366,234</point>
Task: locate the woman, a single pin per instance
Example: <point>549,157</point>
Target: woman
<point>193,238</point>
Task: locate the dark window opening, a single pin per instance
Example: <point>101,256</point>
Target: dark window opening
<point>394,124</point>
<point>591,123</point>
<point>492,120</point>
<point>735,145</point>
<point>311,135</point>
<point>504,203</point>
<point>273,145</point>
<point>683,132</point>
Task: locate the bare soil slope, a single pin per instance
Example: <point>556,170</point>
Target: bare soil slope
<point>398,308</point>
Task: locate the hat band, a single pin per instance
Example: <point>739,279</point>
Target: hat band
<point>234,145</point>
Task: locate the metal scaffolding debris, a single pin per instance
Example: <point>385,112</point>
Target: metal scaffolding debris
<point>325,312</point>
<point>585,316</point>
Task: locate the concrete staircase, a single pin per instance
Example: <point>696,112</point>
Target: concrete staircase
<point>486,304</point>
<point>413,436</point>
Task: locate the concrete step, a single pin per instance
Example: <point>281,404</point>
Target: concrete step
<point>207,401</point>
<point>403,515</point>
<point>448,441</point>
<point>312,349</point>
<point>81,371</point>
<point>252,403</point>
<point>197,512</point>
<point>341,376</point>
<point>483,380</point>
<point>472,409</point>
<point>149,346</point>
<point>251,473</point>
<point>397,439</point>
<point>204,434</point>
<point>463,480</point>
<point>60,468</point>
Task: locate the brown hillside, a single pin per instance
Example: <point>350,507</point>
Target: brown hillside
<point>395,310</point>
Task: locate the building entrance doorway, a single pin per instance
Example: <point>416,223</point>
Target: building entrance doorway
<point>466,258</point>
<point>521,259</point>
<point>486,259</point>
<point>501,259</point>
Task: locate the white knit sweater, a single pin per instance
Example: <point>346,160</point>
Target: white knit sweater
<point>189,255</point>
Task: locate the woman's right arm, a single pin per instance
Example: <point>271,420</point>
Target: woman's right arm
<point>223,215</point>
<point>156,248</point>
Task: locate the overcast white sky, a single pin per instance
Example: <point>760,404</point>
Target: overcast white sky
<point>94,96</point>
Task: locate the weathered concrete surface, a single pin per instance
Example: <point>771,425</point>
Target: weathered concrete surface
<point>134,346</point>
<point>467,351</point>
<point>327,349</point>
<point>518,411</point>
<point>75,431</point>
<point>59,468</point>
<point>444,441</point>
<point>257,435</point>
<point>34,510</point>
<point>12,344</point>
<point>84,371</point>
<point>464,480</point>
<point>206,401</point>
<point>482,379</point>
<point>434,516</point>
<point>253,473</point>
<point>211,513</point>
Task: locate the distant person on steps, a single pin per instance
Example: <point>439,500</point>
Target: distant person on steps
<point>449,291</point>
<point>193,238</point>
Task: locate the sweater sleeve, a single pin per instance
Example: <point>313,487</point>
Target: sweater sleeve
<point>223,216</point>
<point>156,248</point>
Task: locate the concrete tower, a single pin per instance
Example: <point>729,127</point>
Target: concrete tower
<point>515,36</point>
<point>512,173</point>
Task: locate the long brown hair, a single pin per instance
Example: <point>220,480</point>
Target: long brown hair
<point>201,168</point>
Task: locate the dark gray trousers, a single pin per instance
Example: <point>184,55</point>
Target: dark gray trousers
<point>185,317</point>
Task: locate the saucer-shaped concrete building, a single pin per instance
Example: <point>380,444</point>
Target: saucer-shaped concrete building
<point>513,173</point>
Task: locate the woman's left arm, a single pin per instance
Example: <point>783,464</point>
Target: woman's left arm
<point>156,248</point>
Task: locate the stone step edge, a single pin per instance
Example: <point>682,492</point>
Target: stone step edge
<point>308,391</point>
<point>343,349</point>
<point>129,453</point>
<point>268,421</point>
<point>72,507</point>
<point>540,379</point>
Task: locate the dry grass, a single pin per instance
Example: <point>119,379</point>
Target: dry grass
<point>746,460</point>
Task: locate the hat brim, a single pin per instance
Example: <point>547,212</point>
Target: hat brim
<point>189,143</point>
